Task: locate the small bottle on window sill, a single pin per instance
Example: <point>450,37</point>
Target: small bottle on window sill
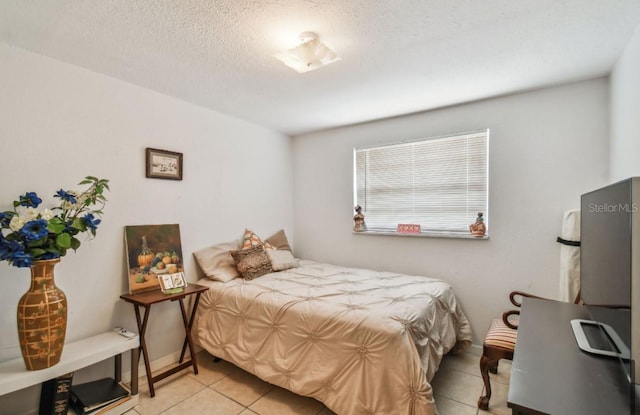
<point>478,228</point>
<point>358,219</point>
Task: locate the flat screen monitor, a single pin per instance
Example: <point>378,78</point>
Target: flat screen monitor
<point>605,250</point>
<point>610,268</point>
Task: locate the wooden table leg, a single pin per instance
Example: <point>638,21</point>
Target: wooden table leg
<point>187,338</point>
<point>187,329</point>
<point>142,328</point>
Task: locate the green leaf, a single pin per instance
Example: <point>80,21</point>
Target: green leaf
<point>64,240</point>
<point>36,252</point>
<point>37,243</point>
<point>79,224</point>
<point>75,244</point>
<point>55,225</point>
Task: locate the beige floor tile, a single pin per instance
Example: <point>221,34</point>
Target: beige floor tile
<point>206,401</point>
<point>209,371</point>
<point>498,401</point>
<point>466,362</point>
<point>450,407</point>
<point>169,392</point>
<point>242,387</point>
<point>504,373</point>
<point>457,385</point>
<point>282,402</point>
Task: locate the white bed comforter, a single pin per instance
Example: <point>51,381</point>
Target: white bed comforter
<point>360,341</point>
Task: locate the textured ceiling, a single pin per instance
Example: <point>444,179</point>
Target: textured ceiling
<point>398,56</point>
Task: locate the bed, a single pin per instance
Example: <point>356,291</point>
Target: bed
<point>360,341</point>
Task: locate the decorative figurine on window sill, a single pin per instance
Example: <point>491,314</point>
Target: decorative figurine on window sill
<point>478,228</point>
<point>358,219</point>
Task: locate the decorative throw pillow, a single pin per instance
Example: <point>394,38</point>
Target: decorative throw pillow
<point>250,239</point>
<point>279,241</point>
<point>281,259</point>
<point>252,262</point>
<point>217,263</point>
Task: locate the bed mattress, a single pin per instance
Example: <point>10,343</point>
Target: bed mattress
<point>360,341</point>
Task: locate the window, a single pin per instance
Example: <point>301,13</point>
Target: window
<point>440,183</point>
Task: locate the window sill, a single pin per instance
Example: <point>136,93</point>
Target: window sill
<point>451,235</point>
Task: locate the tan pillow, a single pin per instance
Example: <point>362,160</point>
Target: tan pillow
<point>250,239</point>
<point>279,241</point>
<point>252,262</point>
<point>217,263</point>
<point>281,259</point>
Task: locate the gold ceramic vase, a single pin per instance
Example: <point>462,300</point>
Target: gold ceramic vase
<point>42,318</point>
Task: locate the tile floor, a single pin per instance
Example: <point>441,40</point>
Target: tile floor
<point>223,389</point>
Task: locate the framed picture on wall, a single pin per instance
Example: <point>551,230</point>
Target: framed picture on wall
<point>152,251</point>
<point>163,164</point>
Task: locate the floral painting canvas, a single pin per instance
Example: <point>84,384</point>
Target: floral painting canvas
<point>151,250</point>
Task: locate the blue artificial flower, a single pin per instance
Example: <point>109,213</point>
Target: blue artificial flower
<point>11,250</point>
<point>66,196</point>
<point>91,221</point>
<point>50,255</point>
<point>6,248</point>
<point>30,199</point>
<point>21,259</point>
<point>29,233</point>
<point>34,230</point>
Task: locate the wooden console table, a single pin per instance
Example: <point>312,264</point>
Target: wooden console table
<point>551,375</point>
<point>146,300</point>
<point>77,355</point>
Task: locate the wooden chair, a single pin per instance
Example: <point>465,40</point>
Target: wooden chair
<point>499,343</point>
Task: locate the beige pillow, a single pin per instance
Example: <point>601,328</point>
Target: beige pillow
<point>279,241</point>
<point>252,262</point>
<point>250,239</point>
<point>216,261</point>
<point>281,259</point>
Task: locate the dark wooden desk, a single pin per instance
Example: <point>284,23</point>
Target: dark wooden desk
<point>551,375</point>
<point>146,300</point>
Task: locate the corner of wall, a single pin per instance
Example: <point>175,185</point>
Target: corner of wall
<point>624,146</point>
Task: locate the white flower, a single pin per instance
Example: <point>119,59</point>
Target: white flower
<point>31,214</point>
<point>47,214</point>
<point>17,222</point>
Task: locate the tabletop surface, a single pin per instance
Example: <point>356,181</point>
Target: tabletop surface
<point>156,296</point>
<point>551,375</point>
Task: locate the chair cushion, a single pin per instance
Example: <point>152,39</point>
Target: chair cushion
<point>499,335</point>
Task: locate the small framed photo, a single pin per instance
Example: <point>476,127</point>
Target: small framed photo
<point>163,164</point>
<point>172,283</point>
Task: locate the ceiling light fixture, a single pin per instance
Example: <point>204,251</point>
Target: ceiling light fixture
<point>310,54</point>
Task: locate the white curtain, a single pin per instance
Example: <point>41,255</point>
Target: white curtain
<point>570,256</point>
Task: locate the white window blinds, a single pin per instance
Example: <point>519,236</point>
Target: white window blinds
<point>439,183</point>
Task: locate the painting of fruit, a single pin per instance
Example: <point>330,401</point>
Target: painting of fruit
<point>151,250</point>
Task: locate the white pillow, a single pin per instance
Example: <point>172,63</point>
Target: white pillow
<point>217,263</point>
<point>281,259</point>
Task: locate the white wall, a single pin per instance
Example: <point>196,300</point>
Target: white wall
<point>59,123</point>
<point>625,118</point>
<point>547,147</point>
